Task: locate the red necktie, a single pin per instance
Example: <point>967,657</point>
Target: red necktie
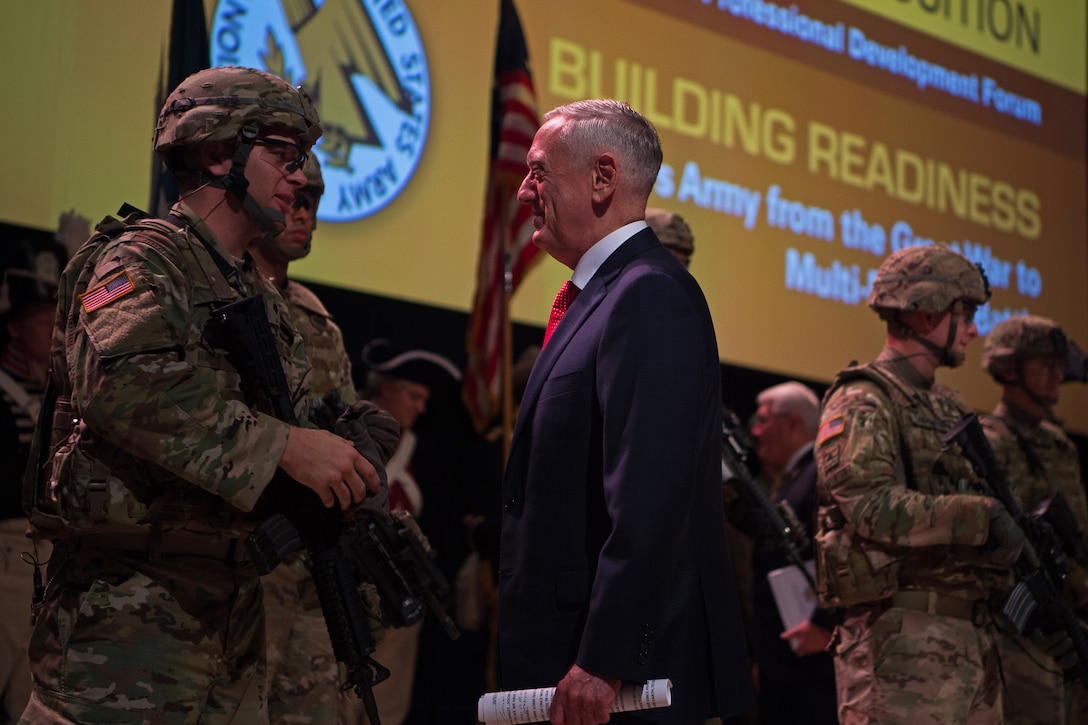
<point>563,300</point>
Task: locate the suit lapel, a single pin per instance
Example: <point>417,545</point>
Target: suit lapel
<point>587,301</point>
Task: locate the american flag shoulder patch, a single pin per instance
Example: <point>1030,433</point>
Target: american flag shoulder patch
<point>109,291</point>
<point>829,429</point>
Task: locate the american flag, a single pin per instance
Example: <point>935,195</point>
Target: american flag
<point>829,429</point>
<point>507,227</point>
<point>188,53</point>
<point>114,288</point>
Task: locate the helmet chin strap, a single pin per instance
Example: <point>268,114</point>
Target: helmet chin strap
<point>271,221</point>
<point>945,355</point>
<point>949,356</point>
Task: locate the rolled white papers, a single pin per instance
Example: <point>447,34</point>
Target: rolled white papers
<point>529,706</point>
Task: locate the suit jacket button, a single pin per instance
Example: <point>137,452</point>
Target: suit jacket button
<point>509,503</point>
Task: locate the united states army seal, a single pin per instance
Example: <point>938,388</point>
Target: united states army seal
<point>364,65</point>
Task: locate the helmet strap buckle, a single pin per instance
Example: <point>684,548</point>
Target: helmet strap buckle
<point>948,357</point>
<point>238,183</point>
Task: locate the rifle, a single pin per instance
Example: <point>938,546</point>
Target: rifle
<point>301,519</point>
<point>778,522</point>
<point>398,562</point>
<point>1055,510</point>
<point>392,554</point>
<point>1036,601</point>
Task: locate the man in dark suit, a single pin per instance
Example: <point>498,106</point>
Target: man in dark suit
<point>613,561</point>
<point>796,673</point>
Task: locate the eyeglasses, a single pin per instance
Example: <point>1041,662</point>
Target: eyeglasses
<point>289,153</point>
<point>968,313</point>
<point>304,201</point>
<point>765,419</point>
<point>1047,365</point>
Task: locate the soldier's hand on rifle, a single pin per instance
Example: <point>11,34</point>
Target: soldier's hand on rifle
<point>374,432</point>
<point>1059,645</point>
<point>329,465</point>
<point>1007,541</point>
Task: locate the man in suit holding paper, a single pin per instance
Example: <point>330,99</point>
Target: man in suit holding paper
<point>613,564</point>
<point>796,683</point>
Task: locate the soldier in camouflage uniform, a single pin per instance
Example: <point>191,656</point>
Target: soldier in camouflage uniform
<point>157,453</point>
<point>304,683</point>
<point>1026,356</point>
<point>900,526</point>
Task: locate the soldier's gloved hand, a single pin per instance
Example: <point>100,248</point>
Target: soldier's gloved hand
<point>1059,645</point>
<point>325,412</point>
<point>1007,540</point>
<point>375,434</point>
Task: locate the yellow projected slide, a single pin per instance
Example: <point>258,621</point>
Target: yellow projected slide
<point>805,148</point>
<point>802,145</point>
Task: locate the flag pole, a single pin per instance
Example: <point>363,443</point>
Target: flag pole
<point>506,250</point>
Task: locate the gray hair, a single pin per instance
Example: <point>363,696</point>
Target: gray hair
<point>597,125</point>
<point>793,397</point>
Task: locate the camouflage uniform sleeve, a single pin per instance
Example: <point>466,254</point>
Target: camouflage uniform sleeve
<point>145,379</point>
<point>858,452</point>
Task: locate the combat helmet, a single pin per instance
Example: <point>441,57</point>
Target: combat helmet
<point>1019,338</point>
<point>673,231</point>
<point>216,104</point>
<point>315,183</point>
<point>930,278</point>
<point>233,103</point>
<point>927,278</point>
